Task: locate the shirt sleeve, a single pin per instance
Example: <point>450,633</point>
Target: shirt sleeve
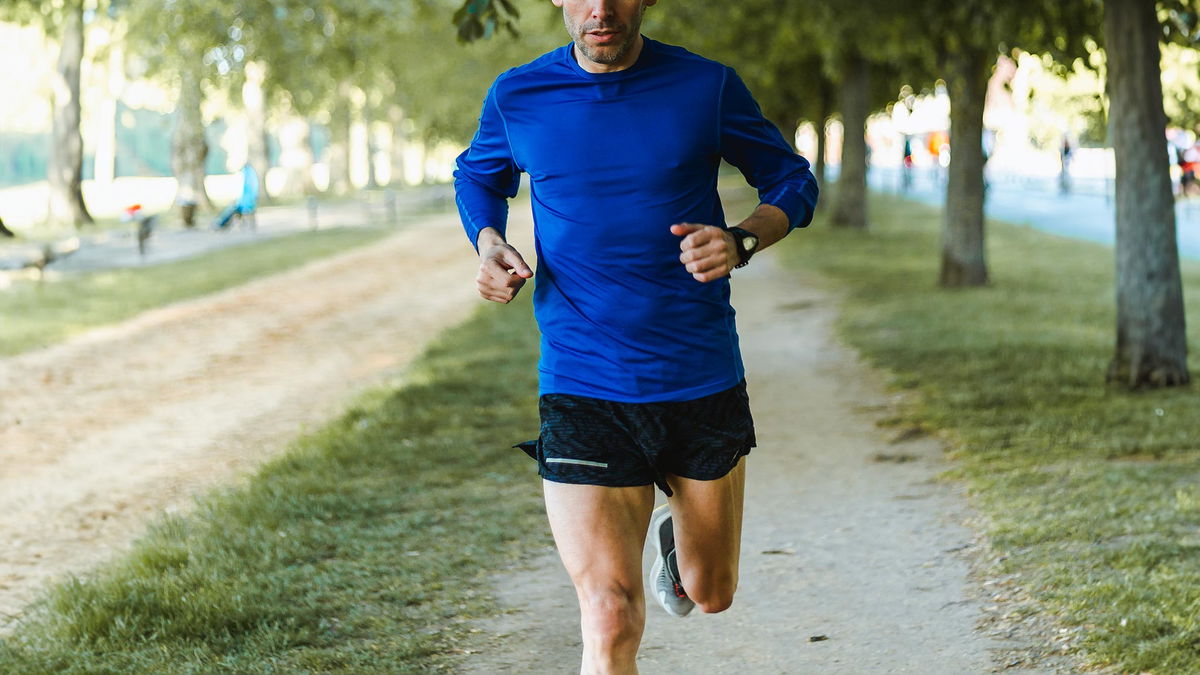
<point>487,175</point>
<point>755,146</point>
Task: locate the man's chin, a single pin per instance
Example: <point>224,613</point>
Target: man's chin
<point>607,55</point>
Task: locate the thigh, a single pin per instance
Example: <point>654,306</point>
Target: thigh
<point>600,532</point>
<point>707,517</point>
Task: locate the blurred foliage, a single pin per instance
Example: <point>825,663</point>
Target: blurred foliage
<point>480,18</point>
<point>786,73</point>
<point>316,53</point>
<point>1073,102</point>
<point>401,54</point>
<point>48,14</point>
<point>1181,86</point>
<point>441,87</point>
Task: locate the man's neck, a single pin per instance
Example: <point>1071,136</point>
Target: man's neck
<point>626,63</point>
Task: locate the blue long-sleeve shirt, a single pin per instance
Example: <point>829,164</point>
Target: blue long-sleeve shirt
<point>615,159</point>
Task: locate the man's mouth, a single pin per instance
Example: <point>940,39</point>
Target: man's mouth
<point>604,36</point>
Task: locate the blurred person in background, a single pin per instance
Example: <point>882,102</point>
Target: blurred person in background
<point>246,204</point>
<point>907,169</point>
<point>1189,161</point>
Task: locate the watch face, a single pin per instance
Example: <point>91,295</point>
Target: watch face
<point>750,243</point>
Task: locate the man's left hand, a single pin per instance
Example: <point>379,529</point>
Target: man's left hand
<point>709,252</point>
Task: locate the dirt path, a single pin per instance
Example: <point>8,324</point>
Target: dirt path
<point>847,534</point>
<point>100,434</point>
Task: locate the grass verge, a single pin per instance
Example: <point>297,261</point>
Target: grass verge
<point>37,315</point>
<point>363,549</point>
<point>1090,493</point>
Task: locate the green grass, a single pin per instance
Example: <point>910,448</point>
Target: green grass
<point>363,549</point>
<point>1090,493</point>
<point>36,315</point>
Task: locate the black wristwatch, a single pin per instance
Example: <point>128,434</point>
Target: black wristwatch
<point>747,244</point>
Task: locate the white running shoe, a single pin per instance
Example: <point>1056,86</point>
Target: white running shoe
<point>664,574</point>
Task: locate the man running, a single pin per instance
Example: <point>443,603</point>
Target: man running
<point>641,380</point>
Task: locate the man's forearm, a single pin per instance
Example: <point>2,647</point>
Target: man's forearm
<point>769,223</point>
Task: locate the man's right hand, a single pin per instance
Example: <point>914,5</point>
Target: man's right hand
<point>502,270</point>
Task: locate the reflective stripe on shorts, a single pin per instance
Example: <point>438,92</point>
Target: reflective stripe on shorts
<point>580,462</point>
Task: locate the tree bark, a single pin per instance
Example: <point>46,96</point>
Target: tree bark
<point>963,259</point>
<point>254,101</point>
<point>65,171</point>
<point>1151,349</point>
<point>368,121</point>
<point>850,209</point>
<point>189,148</point>
<point>399,143</point>
<point>340,121</point>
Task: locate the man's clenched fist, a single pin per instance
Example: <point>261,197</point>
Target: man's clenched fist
<point>502,272</point>
<point>709,252</point>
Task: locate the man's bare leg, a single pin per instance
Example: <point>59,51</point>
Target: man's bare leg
<point>707,518</point>
<point>600,532</point>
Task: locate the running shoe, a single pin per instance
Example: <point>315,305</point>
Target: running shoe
<point>664,574</point>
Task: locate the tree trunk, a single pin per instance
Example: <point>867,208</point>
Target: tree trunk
<point>66,154</point>
<point>189,148</point>
<point>399,143</point>
<point>963,260</point>
<point>1151,345</point>
<point>821,126</point>
<point>368,121</point>
<point>254,100</point>
<point>310,159</point>
<point>340,122</point>
<point>850,209</point>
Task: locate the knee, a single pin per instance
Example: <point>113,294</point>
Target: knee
<point>715,602</point>
<point>612,612</point>
<point>713,593</point>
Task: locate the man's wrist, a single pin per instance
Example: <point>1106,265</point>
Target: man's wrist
<point>745,244</point>
<point>488,237</point>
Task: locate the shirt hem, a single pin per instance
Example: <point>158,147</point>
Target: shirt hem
<point>673,396</point>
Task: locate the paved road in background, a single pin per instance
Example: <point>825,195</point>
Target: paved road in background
<point>1088,212</point>
<point>170,242</point>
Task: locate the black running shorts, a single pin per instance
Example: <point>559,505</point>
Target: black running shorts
<point>590,441</point>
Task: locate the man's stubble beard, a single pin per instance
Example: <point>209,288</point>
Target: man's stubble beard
<point>606,55</point>
<point>611,54</point>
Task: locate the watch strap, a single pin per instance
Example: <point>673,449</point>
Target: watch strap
<point>744,254</point>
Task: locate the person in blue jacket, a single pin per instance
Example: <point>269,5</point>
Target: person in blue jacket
<point>640,377</point>
<point>246,203</point>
